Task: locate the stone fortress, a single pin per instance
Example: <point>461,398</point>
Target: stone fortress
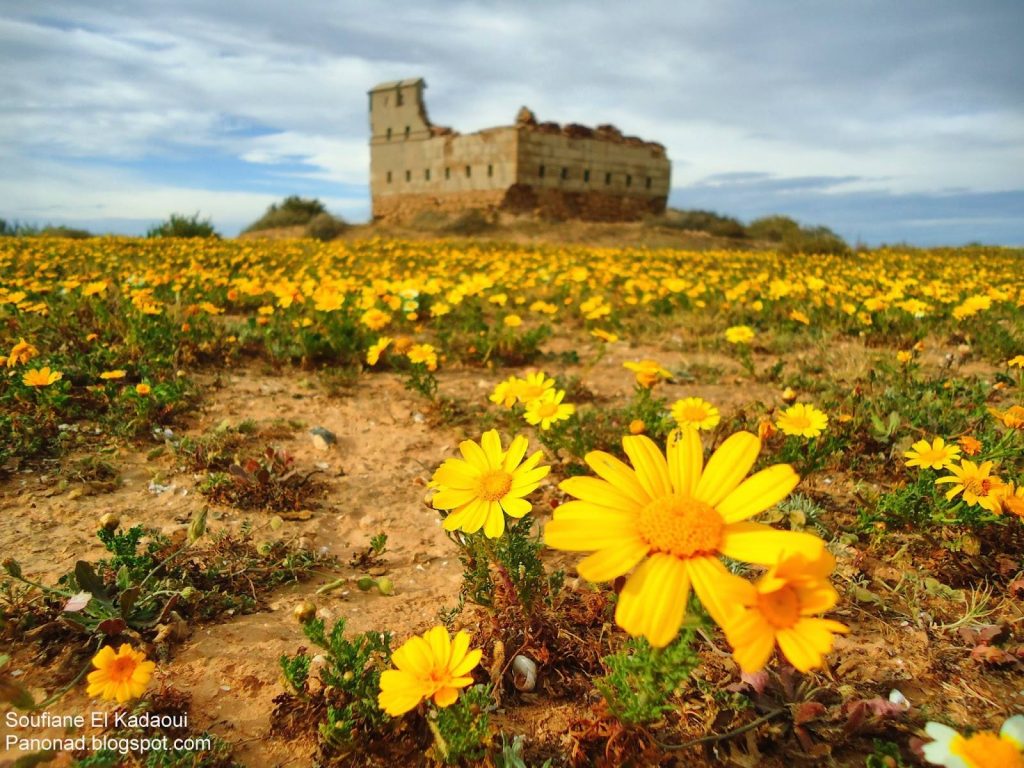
<point>560,172</point>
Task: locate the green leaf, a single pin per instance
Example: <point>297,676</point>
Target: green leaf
<point>15,694</point>
<point>89,581</point>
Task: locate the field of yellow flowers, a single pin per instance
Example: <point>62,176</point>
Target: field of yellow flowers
<point>453,502</point>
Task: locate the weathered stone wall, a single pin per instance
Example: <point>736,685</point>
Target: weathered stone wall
<point>406,207</point>
<point>444,166</point>
<point>557,161</point>
<point>562,172</point>
<point>589,205</point>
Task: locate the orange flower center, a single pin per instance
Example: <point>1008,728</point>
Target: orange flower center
<point>781,608</point>
<point>798,422</point>
<point>122,669</point>
<point>681,526</point>
<point>494,484</point>
<point>987,750</point>
<point>979,486</point>
<point>531,392</point>
<point>547,410</point>
<point>692,413</point>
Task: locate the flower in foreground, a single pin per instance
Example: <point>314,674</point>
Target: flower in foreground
<point>739,334</point>
<point>43,377</point>
<point>934,455</point>
<point>648,372</point>
<point>671,517</point>
<point>486,484</point>
<point>780,608</point>
<point>1016,362</point>
<point>120,676</point>
<point>982,750</point>
<point>802,419</point>
<point>549,408</point>
<point>695,412</point>
<point>429,666</point>
<point>143,389</point>
<point>975,483</point>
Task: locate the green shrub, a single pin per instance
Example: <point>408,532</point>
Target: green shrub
<point>472,222</point>
<point>179,225</point>
<point>704,221</point>
<point>325,227</point>
<point>293,211</point>
<point>60,230</point>
<point>816,240</point>
<point>774,228</point>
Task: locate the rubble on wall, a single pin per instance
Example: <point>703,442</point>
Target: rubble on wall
<point>526,119</point>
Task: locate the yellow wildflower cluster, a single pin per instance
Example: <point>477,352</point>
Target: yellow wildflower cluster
<point>536,392</point>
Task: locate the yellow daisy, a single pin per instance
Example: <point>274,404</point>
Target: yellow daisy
<point>120,676</point>
<point>428,666</point>
<point>978,486</point>
<point>739,334</point>
<point>695,412</point>
<point>485,483</point>
<point>43,377</point>
<point>779,608</point>
<point>934,455</point>
<point>548,408</point>
<point>982,750</point>
<point>648,372</point>
<point>802,419</point>
<point>376,349</point>
<point>673,519</point>
<point>534,385</point>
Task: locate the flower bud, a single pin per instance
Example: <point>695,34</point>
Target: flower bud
<point>304,611</point>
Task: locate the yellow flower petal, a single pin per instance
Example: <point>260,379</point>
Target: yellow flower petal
<point>729,464</point>
<point>618,474</point>
<point>649,464</point>
<point>721,593</point>
<point>685,460</point>
<point>758,492</point>
<point>610,563</point>
<point>764,545</point>
<point>599,491</point>
<point>653,601</point>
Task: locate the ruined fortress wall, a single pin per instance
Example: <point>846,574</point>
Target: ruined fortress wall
<point>589,178</point>
<point>563,172</point>
<point>445,173</point>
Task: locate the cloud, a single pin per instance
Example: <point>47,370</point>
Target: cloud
<point>824,99</point>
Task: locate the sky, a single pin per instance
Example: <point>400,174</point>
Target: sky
<point>886,121</point>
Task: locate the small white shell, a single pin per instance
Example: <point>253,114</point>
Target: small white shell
<point>524,673</point>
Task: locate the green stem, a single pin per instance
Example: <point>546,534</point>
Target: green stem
<point>727,735</point>
<point>442,745</point>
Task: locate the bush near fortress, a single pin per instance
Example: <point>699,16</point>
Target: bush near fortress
<point>787,234</point>
<point>299,211</point>
<point>179,225</point>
